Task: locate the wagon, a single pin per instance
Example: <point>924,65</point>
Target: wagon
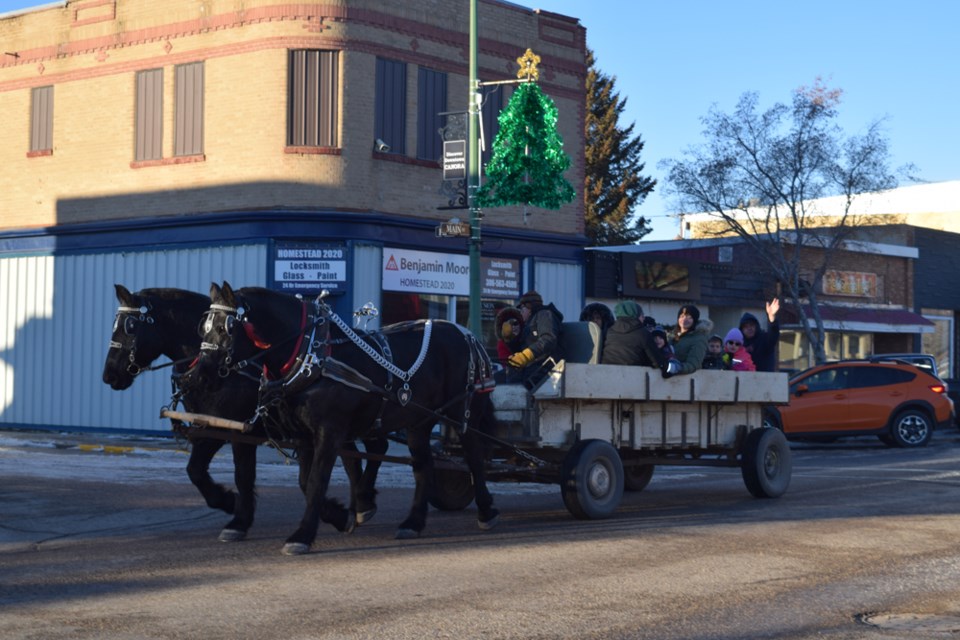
<point>596,430</point>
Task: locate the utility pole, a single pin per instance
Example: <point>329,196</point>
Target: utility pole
<point>473,174</point>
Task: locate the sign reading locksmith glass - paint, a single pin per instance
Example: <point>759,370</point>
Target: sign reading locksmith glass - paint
<point>426,272</point>
<point>309,268</point>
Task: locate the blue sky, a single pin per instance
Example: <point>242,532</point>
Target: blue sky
<point>893,59</point>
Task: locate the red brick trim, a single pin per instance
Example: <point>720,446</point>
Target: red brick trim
<point>308,13</point>
<point>168,161</point>
<point>396,157</point>
<point>313,151</point>
<point>39,153</point>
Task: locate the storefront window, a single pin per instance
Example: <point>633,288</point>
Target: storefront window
<point>939,344</point>
<point>795,353</point>
<point>399,307</point>
<point>489,308</point>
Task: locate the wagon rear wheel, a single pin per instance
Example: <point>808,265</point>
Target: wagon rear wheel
<point>591,480</point>
<point>766,465</point>
<point>452,490</point>
<point>637,477</point>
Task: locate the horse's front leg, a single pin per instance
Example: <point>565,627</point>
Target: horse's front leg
<point>354,470</point>
<point>198,470</point>
<point>418,440</point>
<point>318,505</point>
<point>244,476</point>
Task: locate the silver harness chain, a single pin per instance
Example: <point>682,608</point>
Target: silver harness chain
<point>380,360</point>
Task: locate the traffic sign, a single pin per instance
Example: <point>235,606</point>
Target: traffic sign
<point>453,230</point>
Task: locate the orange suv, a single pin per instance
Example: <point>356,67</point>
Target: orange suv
<point>896,401</point>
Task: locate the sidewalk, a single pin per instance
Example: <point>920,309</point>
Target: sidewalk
<point>87,442</point>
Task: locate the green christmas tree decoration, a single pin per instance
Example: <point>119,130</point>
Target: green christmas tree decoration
<point>528,159</point>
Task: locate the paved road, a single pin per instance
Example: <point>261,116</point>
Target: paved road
<point>94,545</point>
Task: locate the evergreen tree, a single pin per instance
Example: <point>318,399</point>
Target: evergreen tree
<point>613,185</point>
<point>528,158</point>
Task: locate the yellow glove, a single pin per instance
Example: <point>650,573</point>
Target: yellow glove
<point>520,359</point>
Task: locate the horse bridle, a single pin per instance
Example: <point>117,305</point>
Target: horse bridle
<point>232,317</point>
<point>133,319</point>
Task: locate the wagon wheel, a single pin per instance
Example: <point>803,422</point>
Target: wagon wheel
<point>591,480</point>
<point>637,477</point>
<point>766,465</point>
<point>452,490</point>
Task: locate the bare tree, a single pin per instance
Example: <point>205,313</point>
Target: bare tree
<point>758,175</point>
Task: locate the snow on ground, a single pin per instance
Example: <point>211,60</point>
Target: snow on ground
<point>120,459</point>
<point>139,459</point>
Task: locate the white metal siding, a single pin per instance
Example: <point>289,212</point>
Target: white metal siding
<point>55,322</point>
<point>366,280</point>
<point>562,284</point>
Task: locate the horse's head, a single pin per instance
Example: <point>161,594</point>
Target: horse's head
<point>135,341</point>
<point>224,341</point>
<point>244,324</point>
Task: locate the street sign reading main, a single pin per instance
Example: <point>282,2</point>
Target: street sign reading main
<point>453,230</point>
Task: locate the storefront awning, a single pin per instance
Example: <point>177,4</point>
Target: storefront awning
<point>863,320</point>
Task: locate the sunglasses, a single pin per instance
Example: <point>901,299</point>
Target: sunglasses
<point>734,343</point>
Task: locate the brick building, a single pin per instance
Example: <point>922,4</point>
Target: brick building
<point>867,299</point>
<point>292,145</point>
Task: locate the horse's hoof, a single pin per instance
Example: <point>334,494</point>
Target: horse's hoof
<point>406,534</point>
<point>351,524</point>
<point>364,517</point>
<point>295,549</point>
<point>486,525</point>
<point>232,535</point>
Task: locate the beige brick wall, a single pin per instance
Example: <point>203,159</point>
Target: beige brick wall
<point>90,52</point>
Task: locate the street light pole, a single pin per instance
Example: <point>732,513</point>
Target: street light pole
<point>473,175</point>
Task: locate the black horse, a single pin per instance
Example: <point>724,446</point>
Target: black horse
<point>163,322</point>
<point>341,385</point>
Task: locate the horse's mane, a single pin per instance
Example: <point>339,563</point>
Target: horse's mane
<point>169,294</point>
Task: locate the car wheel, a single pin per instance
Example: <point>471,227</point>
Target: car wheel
<point>911,428</point>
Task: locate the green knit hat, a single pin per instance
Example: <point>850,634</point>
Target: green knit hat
<point>627,309</point>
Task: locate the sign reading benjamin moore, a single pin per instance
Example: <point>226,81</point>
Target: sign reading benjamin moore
<point>426,272</point>
<point>304,267</point>
<point>447,273</point>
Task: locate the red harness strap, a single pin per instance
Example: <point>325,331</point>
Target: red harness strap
<point>252,334</point>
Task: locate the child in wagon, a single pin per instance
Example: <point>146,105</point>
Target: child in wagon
<point>735,355</point>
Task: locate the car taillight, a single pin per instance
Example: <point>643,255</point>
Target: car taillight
<point>938,388</point>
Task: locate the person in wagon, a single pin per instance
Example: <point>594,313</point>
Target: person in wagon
<point>735,356</point>
<point>599,314</point>
<point>689,342</point>
<point>540,338</point>
<point>762,344</point>
<point>628,341</point>
<point>714,358</point>
<point>509,326</point>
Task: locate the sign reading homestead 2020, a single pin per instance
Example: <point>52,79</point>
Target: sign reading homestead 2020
<point>309,267</point>
<point>447,273</point>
